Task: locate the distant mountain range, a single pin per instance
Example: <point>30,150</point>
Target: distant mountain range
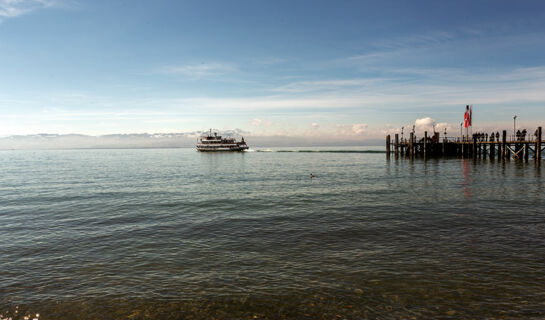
<point>71,141</point>
<point>154,140</point>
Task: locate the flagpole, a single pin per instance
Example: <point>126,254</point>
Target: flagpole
<point>466,122</point>
<point>471,117</point>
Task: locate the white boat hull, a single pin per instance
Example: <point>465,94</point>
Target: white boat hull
<point>221,148</point>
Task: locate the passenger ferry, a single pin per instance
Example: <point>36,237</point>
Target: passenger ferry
<point>217,143</point>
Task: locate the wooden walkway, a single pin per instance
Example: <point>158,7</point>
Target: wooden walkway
<point>478,146</point>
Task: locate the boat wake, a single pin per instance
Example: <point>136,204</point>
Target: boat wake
<point>319,151</point>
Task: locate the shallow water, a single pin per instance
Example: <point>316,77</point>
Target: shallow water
<point>176,234</point>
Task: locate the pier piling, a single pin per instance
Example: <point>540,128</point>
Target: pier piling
<point>503,144</point>
<point>411,145</point>
<point>474,147</point>
<point>425,144</point>
<point>388,145</point>
<point>396,145</point>
<point>538,147</point>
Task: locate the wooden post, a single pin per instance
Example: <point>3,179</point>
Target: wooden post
<point>425,143</point>
<point>492,150</point>
<point>503,144</point>
<point>484,149</point>
<point>538,147</point>
<point>526,147</point>
<point>396,147</point>
<point>474,146</point>
<point>411,145</point>
<point>435,149</point>
<point>388,146</point>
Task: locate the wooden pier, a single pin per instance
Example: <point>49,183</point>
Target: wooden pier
<point>496,145</point>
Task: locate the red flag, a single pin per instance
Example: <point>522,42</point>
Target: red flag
<point>470,115</point>
<point>467,117</point>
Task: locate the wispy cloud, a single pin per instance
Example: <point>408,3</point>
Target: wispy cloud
<point>405,94</point>
<point>438,87</point>
<point>352,103</point>
<point>441,49</point>
<point>427,87</point>
<point>416,40</point>
<point>400,48</point>
<point>327,85</point>
<point>201,70</point>
<point>14,8</point>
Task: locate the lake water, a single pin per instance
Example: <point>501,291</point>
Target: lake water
<point>177,234</point>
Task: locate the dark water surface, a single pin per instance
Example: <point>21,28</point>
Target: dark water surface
<point>176,234</point>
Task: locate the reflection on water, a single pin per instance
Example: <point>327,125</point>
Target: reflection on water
<point>176,234</point>
<point>467,178</point>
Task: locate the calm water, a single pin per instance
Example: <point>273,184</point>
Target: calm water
<point>176,234</point>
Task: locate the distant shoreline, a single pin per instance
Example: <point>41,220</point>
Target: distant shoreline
<point>186,147</point>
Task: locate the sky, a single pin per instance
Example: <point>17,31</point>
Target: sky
<point>317,69</point>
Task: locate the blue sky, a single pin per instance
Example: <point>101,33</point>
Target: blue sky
<point>318,69</point>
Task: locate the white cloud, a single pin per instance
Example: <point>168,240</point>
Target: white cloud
<point>260,123</point>
<point>362,131</point>
<point>315,125</point>
<point>442,126</point>
<point>14,8</point>
<point>350,130</point>
<point>359,128</point>
<point>424,124</point>
<point>429,124</point>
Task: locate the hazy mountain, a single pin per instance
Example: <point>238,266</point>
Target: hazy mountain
<point>159,140</point>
